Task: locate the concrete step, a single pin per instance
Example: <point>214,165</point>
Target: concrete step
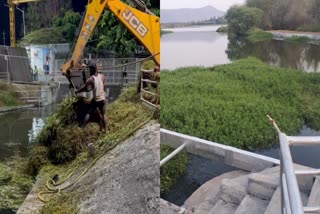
<point>252,205</point>
<point>169,208</point>
<point>234,190</point>
<point>263,185</point>
<point>223,207</point>
<point>206,196</point>
<point>274,206</point>
<point>314,199</point>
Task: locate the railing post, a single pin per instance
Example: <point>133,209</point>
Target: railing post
<point>290,177</point>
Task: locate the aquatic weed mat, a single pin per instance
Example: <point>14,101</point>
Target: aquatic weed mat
<point>228,104</point>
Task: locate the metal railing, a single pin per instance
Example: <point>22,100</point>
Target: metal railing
<point>291,202</point>
<point>145,85</point>
<point>116,74</point>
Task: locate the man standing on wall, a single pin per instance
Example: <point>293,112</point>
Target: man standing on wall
<point>96,82</point>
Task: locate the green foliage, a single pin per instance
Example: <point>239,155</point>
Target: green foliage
<point>229,103</point>
<point>8,95</point>
<point>37,158</point>
<point>241,19</point>
<point>61,140</point>
<point>44,36</point>
<point>223,29</point>
<point>165,32</point>
<point>14,184</point>
<point>62,204</point>
<point>170,171</point>
<point>40,14</point>
<point>148,65</point>
<point>68,24</point>
<point>110,34</point>
<point>62,135</point>
<point>297,39</point>
<point>259,35</point>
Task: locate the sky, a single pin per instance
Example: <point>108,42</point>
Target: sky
<point>219,4</point>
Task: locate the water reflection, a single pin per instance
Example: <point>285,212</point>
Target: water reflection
<point>37,124</point>
<point>18,129</point>
<point>304,57</point>
<point>202,46</point>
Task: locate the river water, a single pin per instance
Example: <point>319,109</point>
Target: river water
<point>203,46</point>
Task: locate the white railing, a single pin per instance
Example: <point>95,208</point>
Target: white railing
<point>290,194</point>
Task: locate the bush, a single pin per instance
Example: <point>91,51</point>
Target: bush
<point>297,39</point>
<point>228,104</point>
<point>241,19</point>
<point>170,171</point>
<point>222,29</point>
<point>259,35</point>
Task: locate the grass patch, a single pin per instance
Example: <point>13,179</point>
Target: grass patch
<point>297,39</point>
<point>62,204</point>
<point>61,140</point>
<point>223,29</point>
<point>229,103</point>
<point>8,95</point>
<point>165,32</point>
<point>170,171</point>
<point>259,36</point>
<point>15,184</point>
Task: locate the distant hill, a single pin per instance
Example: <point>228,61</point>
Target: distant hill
<point>189,14</point>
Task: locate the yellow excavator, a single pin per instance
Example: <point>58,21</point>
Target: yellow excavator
<point>144,25</point>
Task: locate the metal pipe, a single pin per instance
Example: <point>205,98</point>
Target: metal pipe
<point>290,177</point>
<point>287,208</point>
<point>308,172</point>
<point>301,140</point>
<point>311,209</point>
<point>172,154</point>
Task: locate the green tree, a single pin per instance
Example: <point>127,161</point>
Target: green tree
<point>39,14</point>
<point>241,19</point>
<point>110,34</point>
<point>68,24</point>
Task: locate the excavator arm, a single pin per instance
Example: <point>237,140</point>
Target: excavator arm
<point>143,25</point>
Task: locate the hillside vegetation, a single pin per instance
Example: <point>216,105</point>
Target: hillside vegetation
<point>229,103</point>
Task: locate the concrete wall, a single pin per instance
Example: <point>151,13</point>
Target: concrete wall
<point>15,63</point>
<point>238,158</point>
